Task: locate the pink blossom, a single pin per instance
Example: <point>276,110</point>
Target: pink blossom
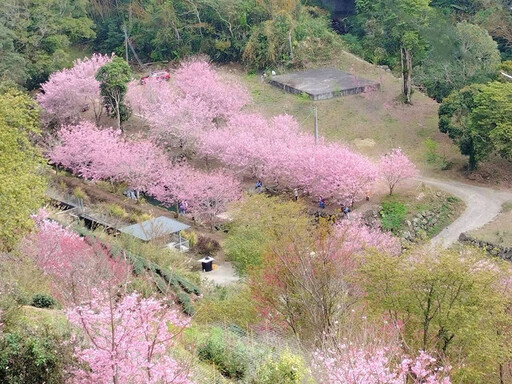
<point>279,154</point>
<point>206,194</point>
<point>356,236</point>
<point>88,151</point>
<point>198,80</point>
<point>126,341</point>
<point>103,154</point>
<point>69,90</point>
<point>75,267</point>
<point>349,364</point>
<point>395,167</point>
<point>198,102</point>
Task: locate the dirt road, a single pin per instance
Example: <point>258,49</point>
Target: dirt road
<point>482,205</point>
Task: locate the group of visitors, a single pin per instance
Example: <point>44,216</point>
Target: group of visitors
<point>345,209</point>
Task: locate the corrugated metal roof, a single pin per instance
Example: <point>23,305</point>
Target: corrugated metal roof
<point>154,228</point>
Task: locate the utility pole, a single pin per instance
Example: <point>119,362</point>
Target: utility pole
<point>316,124</point>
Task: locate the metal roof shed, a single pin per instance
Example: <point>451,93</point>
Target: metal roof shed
<point>157,228</point>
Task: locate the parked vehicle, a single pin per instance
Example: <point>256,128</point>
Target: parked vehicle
<point>160,75</point>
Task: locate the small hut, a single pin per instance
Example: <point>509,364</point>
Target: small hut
<point>163,229</point>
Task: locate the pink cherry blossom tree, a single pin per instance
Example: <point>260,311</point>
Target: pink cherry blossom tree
<point>103,154</point>
<point>205,194</point>
<point>278,153</point>
<point>351,364</point>
<point>88,151</point>
<point>76,267</point>
<point>66,92</point>
<point>193,105</point>
<point>395,167</point>
<point>355,236</point>
<point>198,80</point>
<point>126,341</point>
<point>140,164</point>
<point>310,276</point>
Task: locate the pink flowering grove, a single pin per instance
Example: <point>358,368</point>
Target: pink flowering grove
<point>126,341</point>
<point>104,154</point>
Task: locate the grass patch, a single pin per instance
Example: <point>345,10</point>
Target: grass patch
<point>399,210</point>
<point>393,214</point>
<point>498,231</point>
<point>507,207</point>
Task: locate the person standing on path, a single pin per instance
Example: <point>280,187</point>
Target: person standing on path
<point>295,194</point>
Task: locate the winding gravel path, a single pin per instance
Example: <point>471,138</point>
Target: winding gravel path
<point>482,206</point>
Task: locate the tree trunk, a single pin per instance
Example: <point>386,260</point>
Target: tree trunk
<point>406,74</point>
<point>472,159</point>
<point>118,113</point>
<point>290,44</point>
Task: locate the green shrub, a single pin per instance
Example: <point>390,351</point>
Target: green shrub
<point>452,199</point>
<point>186,304</point>
<point>139,218</point>
<point>433,157</point>
<point>43,301</point>
<point>27,358</point>
<point>231,305</point>
<point>286,369</point>
<point>115,210</point>
<point>312,39</point>
<point>191,236</point>
<point>207,246</point>
<point>229,354</point>
<point>79,193</point>
<point>393,215</point>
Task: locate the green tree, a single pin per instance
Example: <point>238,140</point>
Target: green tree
<point>493,116</point>
<point>478,119</point>
<point>463,55</point>
<point>257,222</point>
<point>395,27</point>
<point>21,184</point>
<point>451,302</point>
<point>114,78</point>
<point>12,63</point>
<point>455,120</point>
<point>36,36</point>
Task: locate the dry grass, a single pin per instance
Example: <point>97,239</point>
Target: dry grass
<point>498,231</point>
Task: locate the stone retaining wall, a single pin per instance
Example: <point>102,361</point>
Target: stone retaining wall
<point>493,249</point>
